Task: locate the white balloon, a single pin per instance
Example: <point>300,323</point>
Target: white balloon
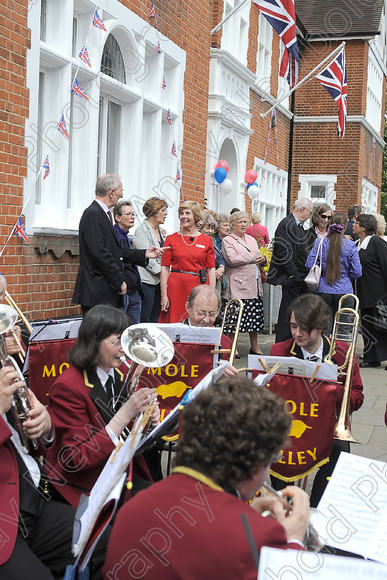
<point>253,191</point>
<point>226,186</point>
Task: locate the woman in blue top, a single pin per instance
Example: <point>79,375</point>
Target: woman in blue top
<point>340,265</point>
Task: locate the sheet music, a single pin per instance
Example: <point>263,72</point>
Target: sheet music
<point>275,564</point>
<point>355,503</point>
<point>106,484</point>
<point>191,334</point>
<point>262,380</point>
<point>301,367</point>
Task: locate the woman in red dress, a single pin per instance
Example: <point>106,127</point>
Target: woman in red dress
<point>186,253</point>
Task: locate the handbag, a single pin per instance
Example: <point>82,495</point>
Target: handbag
<point>312,280</point>
<point>380,318</point>
<point>263,274</point>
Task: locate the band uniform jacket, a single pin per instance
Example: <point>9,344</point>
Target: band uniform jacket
<point>292,244</point>
<point>9,492</point>
<point>290,348</point>
<point>79,409</point>
<point>100,273</point>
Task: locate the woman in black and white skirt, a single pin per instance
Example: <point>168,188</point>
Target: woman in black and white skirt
<point>243,276</point>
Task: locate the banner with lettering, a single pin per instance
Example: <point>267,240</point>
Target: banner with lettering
<point>312,406</point>
<point>189,365</point>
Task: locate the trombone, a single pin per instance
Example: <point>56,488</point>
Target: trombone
<point>346,330</point>
<point>235,307</point>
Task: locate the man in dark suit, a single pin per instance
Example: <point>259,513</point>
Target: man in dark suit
<point>287,267</point>
<point>35,531</point>
<point>353,212</point>
<point>100,277</point>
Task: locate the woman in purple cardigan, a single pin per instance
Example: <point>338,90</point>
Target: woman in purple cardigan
<point>243,258</point>
<point>340,265</point>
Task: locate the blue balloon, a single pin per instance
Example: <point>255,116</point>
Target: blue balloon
<point>250,184</point>
<point>220,174</point>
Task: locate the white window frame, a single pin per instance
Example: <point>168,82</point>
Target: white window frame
<point>328,181</point>
<point>375,79</point>
<point>235,32</point>
<point>264,54</point>
<point>271,202</point>
<point>369,196</point>
<point>72,178</point>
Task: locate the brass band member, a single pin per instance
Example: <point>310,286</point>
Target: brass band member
<point>189,525</point>
<point>308,317</point>
<point>86,410</point>
<point>11,343</point>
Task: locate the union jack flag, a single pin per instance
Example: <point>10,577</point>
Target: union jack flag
<point>97,21</point>
<point>152,12</point>
<point>334,79</point>
<point>84,55</point>
<point>77,90</point>
<point>169,117</point>
<point>46,167</point>
<point>62,127</point>
<point>159,48</point>
<point>20,230</point>
<point>173,150</point>
<point>282,16</point>
<point>164,83</point>
<point>178,175</point>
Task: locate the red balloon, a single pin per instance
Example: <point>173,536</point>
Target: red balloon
<point>250,176</point>
<point>223,164</point>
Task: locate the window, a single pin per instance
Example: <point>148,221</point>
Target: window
<point>112,63</point>
<point>369,196</point>
<point>318,188</point>
<point>43,20</point>
<point>265,41</point>
<point>109,136</point>
<point>235,31</point>
<point>271,202</point>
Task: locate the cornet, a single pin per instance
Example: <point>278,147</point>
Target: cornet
<point>21,404</point>
<point>316,531</point>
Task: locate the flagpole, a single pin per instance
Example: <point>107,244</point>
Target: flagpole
<point>235,9</point>
<point>306,78</point>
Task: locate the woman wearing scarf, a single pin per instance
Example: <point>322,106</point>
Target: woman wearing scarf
<point>340,265</point>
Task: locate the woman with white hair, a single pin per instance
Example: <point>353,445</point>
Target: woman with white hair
<point>258,231</point>
<point>243,259</point>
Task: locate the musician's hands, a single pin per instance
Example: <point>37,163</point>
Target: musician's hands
<point>39,422</point>
<point>295,524</point>
<point>136,404</point>
<point>11,345</point>
<point>7,388</point>
<point>230,371</point>
<point>155,415</point>
<point>164,303</point>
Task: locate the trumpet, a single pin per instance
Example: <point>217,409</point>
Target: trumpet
<point>21,404</point>
<point>316,531</point>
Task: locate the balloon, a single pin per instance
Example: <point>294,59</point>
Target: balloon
<point>226,186</point>
<point>223,164</point>
<point>250,176</point>
<point>253,191</point>
<point>220,174</point>
<point>250,184</point>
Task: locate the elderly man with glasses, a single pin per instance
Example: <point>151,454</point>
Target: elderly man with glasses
<point>287,267</point>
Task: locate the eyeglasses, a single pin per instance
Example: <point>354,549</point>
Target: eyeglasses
<point>128,215</point>
<point>325,217</point>
<point>309,210</point>
<point>203,313</point>
<point>114,344</point>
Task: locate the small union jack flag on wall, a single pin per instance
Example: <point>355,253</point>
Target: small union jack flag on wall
<point>164,83</point>
<point>97,21</point>
<point>178,175</point>
<point>77,90</point>
<point>173,150</point>
<point>152,12</point>
<point>20,230</point>
<point>158,48</point>
<point>169,117</point>
<point>62,127</point>
<point>46,167</point>
<point>84,55</point>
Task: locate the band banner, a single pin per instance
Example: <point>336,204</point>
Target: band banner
<point>189,365</point>
<point>312,407</point>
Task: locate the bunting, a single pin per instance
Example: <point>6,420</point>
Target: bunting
<point>46,167</point>
<point>77,90</point>
<point>84,55</point>
<point>62,127</point>
<point>152,12</point>
<point>97,21</point>
<point>20,230</point>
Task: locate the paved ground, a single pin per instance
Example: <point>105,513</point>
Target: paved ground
<point>368,423</point>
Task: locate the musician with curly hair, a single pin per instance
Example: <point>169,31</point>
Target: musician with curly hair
<point>189,525</point>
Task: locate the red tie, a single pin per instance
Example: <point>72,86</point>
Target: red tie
<point>110,216</point>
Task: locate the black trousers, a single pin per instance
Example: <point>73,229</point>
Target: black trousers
<point>290,291</point>
<point>46,550</point>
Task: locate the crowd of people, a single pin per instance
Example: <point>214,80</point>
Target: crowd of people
<point>231,432</point>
